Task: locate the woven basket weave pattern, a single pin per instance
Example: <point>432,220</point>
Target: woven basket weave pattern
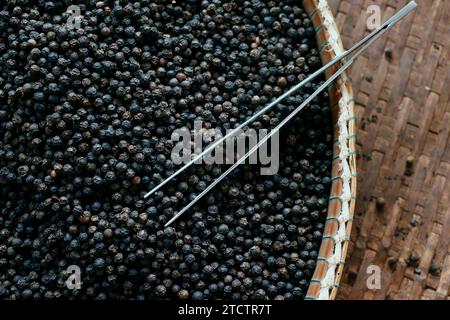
<point>330,262</point>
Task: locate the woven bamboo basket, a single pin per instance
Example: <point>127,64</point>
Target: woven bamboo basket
<point>330,262</point>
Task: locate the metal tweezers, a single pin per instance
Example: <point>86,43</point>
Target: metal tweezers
<point>358,48</point>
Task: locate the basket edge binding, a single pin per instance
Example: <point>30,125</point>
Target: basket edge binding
<point>330,262</point>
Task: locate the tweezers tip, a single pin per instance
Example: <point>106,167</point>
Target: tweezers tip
<point>168,224</point>
<point>148,194</point>
<point>412,4</point>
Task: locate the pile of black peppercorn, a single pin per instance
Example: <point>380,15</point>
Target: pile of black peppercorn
<point>86,117</point>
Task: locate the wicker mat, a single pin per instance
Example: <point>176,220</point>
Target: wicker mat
<point>402,218</point>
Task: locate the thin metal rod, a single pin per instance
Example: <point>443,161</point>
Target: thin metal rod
<point>411,5</point>
<point>375,34</point>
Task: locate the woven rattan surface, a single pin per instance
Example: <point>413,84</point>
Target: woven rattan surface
<point>402,90</point>
<point>333,249</point>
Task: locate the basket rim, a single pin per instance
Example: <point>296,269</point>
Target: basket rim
<point>333,248</point>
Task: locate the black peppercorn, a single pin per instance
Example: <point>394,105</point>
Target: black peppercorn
<point>86,129</point>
